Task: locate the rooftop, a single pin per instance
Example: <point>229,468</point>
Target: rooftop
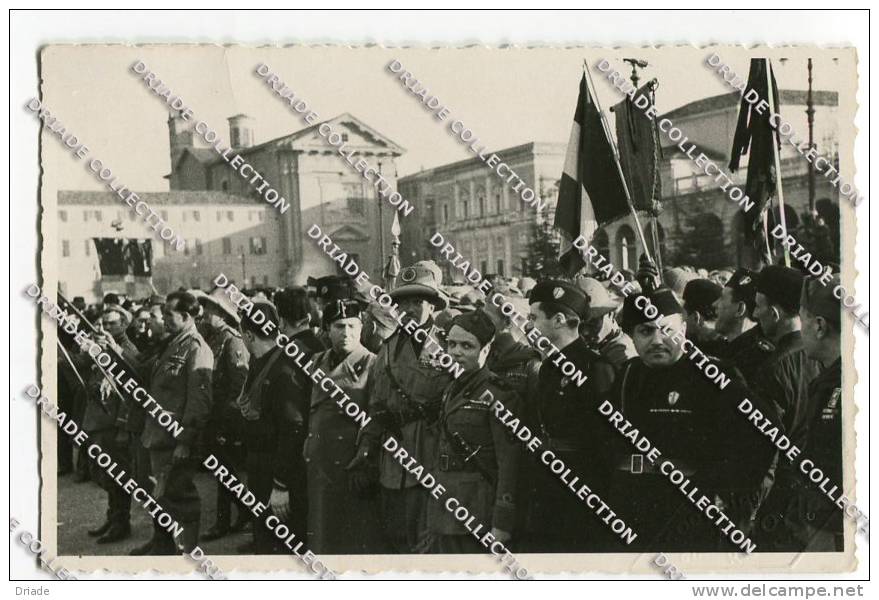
<point>173,198</point>
<point>733,99</point>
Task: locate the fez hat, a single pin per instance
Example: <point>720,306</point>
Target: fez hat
<point>338,309</point>
<point>782,286</point>
<point>561,292</point>
<point>600,302</point>
<point>332,287</point>
<point>477,323</point>
<point>218,299</point>
<point>423,279</point>
<point>700,294</point>
<point>820,300</point>
<point>662,298</point>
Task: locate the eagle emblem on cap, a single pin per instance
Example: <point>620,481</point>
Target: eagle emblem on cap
<point>408,274</point>
<point>557,293</point>
<point>745,280</point>
<point>673,398</point>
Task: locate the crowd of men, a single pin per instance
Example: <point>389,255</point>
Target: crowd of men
<point>774,333</point>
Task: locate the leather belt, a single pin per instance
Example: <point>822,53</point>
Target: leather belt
<point>638,464</point>
<point>455,462</point>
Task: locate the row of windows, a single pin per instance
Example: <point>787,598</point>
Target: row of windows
<point>194,215</point>
<point>258,246</point>
<point>168,284</point>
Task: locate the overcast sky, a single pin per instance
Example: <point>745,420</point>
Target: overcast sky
<point>507,96</point>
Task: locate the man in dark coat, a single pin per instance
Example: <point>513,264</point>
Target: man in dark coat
<point>564,414</point>
<point>693,423</point>
<point>104,422</point>
<point>783,379</point>
<point>224,434</point>
<point>274,404</point>
<point>822,529</point>
<point>343,509</point>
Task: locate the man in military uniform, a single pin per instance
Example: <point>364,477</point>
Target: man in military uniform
<point>274,404</point>
<point>699,313</point>
<point>224,436</point>
<point>104,421</point>
<point>181,384</point>
<point>600,330</point>
<point>822,529</point>
<point>693,423</point>
<point>742,343</point>
<point>407,391</point>
<point>569,425</point>
<point>477,459</point>
<point>343,509</point>
<point>512,361</point>
<point>783,379</point>
<point>299,316</point>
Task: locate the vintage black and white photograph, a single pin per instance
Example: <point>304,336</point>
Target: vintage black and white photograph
<point>480,310</point>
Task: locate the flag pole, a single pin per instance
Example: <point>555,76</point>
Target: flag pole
<point>616,157</point>
<point>779,191</point>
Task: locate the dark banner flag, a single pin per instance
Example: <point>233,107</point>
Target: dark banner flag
<point>120,257</point>
<point>754,136</point>
<point>591,191</point>
<point>640,151</point>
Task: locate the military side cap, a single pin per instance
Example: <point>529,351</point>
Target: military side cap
<point>700,294</point>
<point>782,285</point>
<point>336,310</point>
<point>820,300</point>
<point>332,287</point>
<point>561,292</point>
<point>744,282</point>
<point>662,298</point>
<point>267,308</point>
<point>477,323</point>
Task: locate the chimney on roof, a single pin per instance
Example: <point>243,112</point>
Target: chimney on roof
<point>241,131</point>
<point>180,135</point>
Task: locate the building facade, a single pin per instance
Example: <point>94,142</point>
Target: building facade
<point>478,212</point>
<point>228,227</point>
<point>224,233</point>
<point>697,226</point>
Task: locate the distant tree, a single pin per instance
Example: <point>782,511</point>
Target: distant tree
<point>543,250</point>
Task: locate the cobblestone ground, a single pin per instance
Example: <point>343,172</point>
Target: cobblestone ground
<point>82,506</point>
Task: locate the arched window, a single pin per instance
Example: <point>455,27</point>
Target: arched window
<point>601,243</point>
<point>627,248</point>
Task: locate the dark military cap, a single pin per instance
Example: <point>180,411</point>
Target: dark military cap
<point>477,323</point>
<point>662,298</point>
<point>561,292</point>
<point>744,282</point>
<point>700,294</point>
<point>332,287</point>
<point>820,300</point>
<point>250,322</point>
<point>341,309</point>
<point>782,285</point>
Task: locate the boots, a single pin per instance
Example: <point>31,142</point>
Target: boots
<point>188,540</point>
<point>117,532</point>
<point>143,549</point>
